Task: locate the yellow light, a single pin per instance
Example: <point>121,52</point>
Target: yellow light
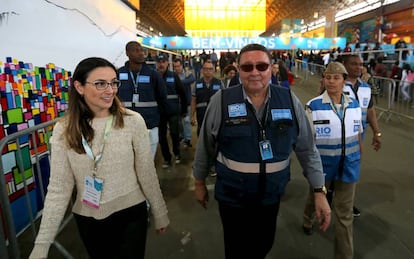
<point>220,17</point>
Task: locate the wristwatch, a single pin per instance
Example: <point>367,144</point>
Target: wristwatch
<point>378,134</point>
<point>320,189</point>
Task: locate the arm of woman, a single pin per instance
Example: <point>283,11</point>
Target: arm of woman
<point>146,173</point>
<point>59,192</point>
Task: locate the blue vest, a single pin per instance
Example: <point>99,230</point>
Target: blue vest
<point>244,179</point>
<point>203,95</point>
<point>173,104</point>
<point>337,140</point>
<point>145,88</point>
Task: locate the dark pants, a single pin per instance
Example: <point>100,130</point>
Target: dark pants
<point>121,235</point>
<point>249,233</point>
<point>173,123</point>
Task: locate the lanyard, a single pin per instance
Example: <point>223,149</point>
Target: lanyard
<point>340,113</point>
<point>135,80</point>
<point>88,149</point>
<point>262,121</point>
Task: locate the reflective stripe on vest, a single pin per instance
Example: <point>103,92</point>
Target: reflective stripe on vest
<point>199,105</point>
<point>172,96</point>
<point>252,167</point>
<point>140,104</point>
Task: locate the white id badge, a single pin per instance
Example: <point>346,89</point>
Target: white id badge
<point>135,98</point>
<point>92,191</point>
<point>266,149</point>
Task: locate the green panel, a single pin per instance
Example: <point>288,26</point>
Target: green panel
<point>27,163</point>
<point>18,177</point>
<point>18,100</point>
<point>15,115</point>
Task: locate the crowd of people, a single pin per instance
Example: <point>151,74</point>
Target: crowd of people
<point>248,121</point>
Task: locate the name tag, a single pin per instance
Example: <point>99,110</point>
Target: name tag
<point>123,76</point>
<point>237,110</point>
<point>92,191</point>
<point>278,114</point>
<point>169,80</point>
<point>216,87</point>
<point>200,85</point>
<point>143,79</point>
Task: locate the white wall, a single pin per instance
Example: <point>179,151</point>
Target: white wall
<point>64,32</point>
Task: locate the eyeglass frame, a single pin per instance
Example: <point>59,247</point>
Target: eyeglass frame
<point>254,66</point>
<point>115,83</point>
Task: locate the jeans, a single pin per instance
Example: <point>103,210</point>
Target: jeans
<point>187,128</point>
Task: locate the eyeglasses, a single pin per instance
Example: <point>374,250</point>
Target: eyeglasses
<point>208,68</point>
<point>259,66</point>
<point>103,85</point>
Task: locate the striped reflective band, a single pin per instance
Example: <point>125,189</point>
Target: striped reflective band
<point>199,105</point>
<point>172,96</point>
<point>252,167</point>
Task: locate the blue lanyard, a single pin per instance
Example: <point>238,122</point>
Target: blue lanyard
<point>88,149</point>
<point>135,80</point>
<point>339,112</point>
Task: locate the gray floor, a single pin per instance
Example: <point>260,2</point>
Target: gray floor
<point>385,228</point>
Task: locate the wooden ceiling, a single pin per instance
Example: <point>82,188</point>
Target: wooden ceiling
<point>167,16</point>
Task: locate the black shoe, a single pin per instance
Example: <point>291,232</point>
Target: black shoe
<point>307,230</point>
<point>356,212</point>
<point>187,143</point>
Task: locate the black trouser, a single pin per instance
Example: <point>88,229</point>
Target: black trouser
<point>121,235</point>
<point>249,233</point>
<point>173,122</point>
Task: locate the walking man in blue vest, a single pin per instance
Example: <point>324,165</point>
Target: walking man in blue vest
<point>248,134</point>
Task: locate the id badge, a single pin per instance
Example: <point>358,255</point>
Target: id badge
<point>92,191</point>
<point>266,149</point>
<point>135,98</point>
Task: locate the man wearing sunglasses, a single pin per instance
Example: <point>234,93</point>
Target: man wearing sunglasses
<point>248,134</point>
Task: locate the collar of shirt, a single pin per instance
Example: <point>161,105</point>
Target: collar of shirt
<point>259,113</point>
<point>327,99</point>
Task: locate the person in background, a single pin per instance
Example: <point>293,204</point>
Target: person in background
<point>187,79</point>
<point>229,72</point>
<point>396,74</point>
<point>142,90</point>
<point>401,44</point>
<point>248,134</point>
<point>358,89</point>
<point>197,62</point>
<point>204,88</point>
<point>214,59</point>
<point>102,150</point>
<point>174,111</point>
<point>283,74</point>
<point>405,83</point>
<point>347,48</point>
<point>275,74</point>
<point>340,151</point>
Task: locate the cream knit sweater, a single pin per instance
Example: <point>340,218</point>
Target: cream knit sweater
<point>126,167</point>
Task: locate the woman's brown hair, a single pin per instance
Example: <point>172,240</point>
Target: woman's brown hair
<point>79,115</point>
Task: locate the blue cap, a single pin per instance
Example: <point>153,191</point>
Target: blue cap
<point>161,57</point>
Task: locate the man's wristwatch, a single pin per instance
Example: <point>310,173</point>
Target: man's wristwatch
<point>320,189</point>
<point>378,134</point>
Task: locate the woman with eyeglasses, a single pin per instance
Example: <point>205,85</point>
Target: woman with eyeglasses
<point>248,133</point>
<point>102,150</point>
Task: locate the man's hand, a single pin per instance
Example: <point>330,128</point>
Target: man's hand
<point>193,120</point>
<point>201,192</point>
<point>323,211</point>
<point>376,142</point>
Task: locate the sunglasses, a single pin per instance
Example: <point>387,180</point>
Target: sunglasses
<point>259,66</point>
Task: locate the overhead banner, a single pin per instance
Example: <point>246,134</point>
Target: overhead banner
<point>271,43</point>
